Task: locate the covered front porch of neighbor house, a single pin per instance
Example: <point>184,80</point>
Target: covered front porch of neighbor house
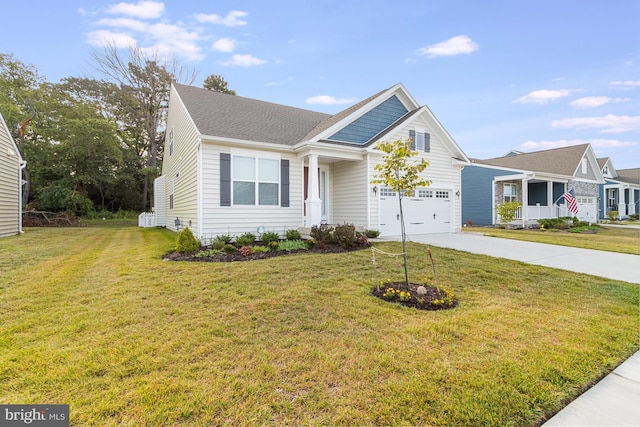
<point>541,197</point>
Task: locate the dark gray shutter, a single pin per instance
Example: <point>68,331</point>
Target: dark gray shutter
<point>412,135</point>
<point>427,142</point>
<point>284,183</point>
<point>225,179</point>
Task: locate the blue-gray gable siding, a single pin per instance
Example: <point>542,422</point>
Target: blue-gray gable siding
<point>477,202</point>
<point>372,123</point>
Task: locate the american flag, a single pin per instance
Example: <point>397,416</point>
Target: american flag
<point>570,198</point>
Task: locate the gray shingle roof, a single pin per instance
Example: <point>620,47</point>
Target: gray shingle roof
<point>631,176</point>
<point>559,161</point>
<point>236,117</point>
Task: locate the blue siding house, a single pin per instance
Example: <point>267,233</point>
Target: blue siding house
<point>537,180</point>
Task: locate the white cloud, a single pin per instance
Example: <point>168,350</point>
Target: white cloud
<point>595,101</point>
<point>328,100</point>
<point>244,61</point>
<point>131,24</point>
<point>595,143</point>
<point>627,84</point>
<point>543,96</point>
<point>224,44</point>
<point>454,46</point>
<point>106,38</point>
<point>609,123</point>
<point>142,9</point>
<point>231,20</point>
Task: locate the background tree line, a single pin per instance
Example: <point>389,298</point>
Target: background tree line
<point>92,144</point>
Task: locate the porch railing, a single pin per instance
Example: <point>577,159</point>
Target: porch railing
<point>540,212</point>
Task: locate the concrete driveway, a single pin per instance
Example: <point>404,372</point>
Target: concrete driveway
<point>611,265</point>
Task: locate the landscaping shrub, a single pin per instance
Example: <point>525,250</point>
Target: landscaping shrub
<point>220,241</point>
<point>345,235</point>
<point>229,248</point>
<point>246,239</point>
<point>612,215</point>
<point>293,235</point>
<point>270,236</point>
<point>187,242</point>
<point>246,250</point>
<point>322,234</point>
<point>372,234</point>
<point>634,217</point>
<point>291,245</point>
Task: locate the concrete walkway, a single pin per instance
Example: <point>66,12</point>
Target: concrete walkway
<point>615,400</point>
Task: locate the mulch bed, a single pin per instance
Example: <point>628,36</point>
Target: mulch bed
<point>330,248</point>
<point>427,301</point>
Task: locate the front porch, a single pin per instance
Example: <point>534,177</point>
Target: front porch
<point>541,197</point>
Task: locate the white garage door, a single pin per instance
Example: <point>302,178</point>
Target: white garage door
<point>587,209</point>
<point>426,211</point>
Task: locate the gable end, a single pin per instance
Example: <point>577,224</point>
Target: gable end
<point>371,123</point>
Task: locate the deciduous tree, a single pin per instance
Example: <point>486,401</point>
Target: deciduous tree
<point>397,172</point>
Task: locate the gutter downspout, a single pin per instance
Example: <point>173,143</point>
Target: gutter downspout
<point>23,164</point>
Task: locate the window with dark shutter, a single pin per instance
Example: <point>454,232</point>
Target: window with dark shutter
<point>427,142</point>
<point>284,183</point>
<point>225,179</point>
<point>412,135</point>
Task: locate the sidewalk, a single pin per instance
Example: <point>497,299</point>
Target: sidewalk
<point>615,400</point>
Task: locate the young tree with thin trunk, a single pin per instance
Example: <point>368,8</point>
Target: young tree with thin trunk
<point>397,172</point>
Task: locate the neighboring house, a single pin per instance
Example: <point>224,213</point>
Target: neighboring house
<point>538,180</point>
<point>621,190</point>
<point>233,165</point>
<point>11,165</point>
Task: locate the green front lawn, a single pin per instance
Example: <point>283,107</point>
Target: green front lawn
<point>612,239</point>
<point>92,317</point>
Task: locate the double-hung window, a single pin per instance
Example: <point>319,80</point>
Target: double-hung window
<point>510,193</point>
<point>256,181</point>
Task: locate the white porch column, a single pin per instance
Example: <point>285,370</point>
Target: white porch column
<point>313,202</point>
<point>632,201</point>
<point>525,201</point>
<point>621,202</point>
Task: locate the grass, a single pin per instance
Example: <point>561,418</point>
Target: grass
<point>92,317</point>
<point>612,239</point>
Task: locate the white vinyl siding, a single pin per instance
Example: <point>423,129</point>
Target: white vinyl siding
<point>239,219</point>
<point>350,187</point>
<point>181,168</point>
<point>9,184</point>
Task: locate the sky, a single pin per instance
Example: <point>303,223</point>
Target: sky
<point>499,75</point>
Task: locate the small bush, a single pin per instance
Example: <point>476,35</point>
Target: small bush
<point>362,240</point>
<point>273,245</point>
<point>372,234</point>
<point>246,239</point>
<point>293,235</point>
<point>229,249</point>
<point>634,217</point>
<point>323,234</point>
<point>187,242</point>
<point>507,211</point>
<point>345,235</point>
<point>208,253</point>
<point>246,250</point>
<point>220,241</point>
<point>612,215</point>
<point>260,249</point>
<point>291,245</point>
<point>270,236</point>
<point>311,243</point>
